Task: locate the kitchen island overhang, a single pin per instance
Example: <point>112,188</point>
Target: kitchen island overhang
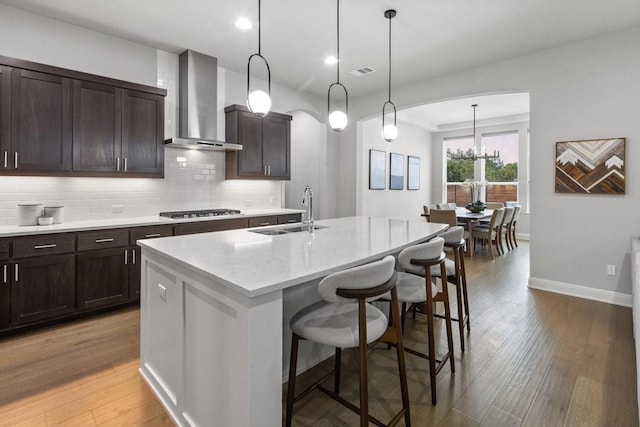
<point>215,310</point>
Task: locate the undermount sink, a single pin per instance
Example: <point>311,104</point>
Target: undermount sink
<point>287,230</point>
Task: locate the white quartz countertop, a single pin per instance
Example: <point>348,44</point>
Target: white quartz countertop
<point>97,224</point>
<point>254,264</point>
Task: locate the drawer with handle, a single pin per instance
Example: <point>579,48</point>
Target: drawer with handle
<point>103,239</point>
<point>263,220</point>
<point>289,219</point>
<point>150,232</point>
<point>5,244</point>
<point>43,244</point>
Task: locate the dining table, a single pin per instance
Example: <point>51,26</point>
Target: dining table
<point>467,217</point>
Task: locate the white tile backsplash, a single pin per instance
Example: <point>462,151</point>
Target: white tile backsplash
<point>197,183</point>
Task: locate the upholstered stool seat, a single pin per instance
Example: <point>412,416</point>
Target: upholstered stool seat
<point>411,288</point>
<point>333,324</point>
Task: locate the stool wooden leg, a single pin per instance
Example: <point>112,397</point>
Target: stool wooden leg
<point>463,282</point>
<point>292,379</point>
<point>362,350</point>
<point>431,336</point>
<point>447,314</point>
<point>458,284</point>
<point>337,365</point>
<point>402,370</point>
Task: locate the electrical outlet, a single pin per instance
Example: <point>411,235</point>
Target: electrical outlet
<point>611,270</point>
<point>163,292</point>
<point>117,208</point>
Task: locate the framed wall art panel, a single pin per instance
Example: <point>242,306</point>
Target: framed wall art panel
<point>595,166</point>
<point>396,171</point>
<point>413,173</point>
<point>377,170</point>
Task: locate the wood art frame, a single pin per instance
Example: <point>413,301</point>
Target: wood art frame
<point>377,170</point>
<point>595,166</point>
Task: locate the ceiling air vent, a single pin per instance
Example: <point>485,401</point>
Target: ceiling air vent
<point>362,71</point>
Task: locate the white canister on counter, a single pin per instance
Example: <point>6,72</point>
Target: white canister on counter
<point>57,212</point>
<point>28,213</point>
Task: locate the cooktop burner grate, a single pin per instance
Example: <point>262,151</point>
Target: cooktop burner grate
<point>199,213</point>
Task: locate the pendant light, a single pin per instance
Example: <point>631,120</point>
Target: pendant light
<point>258,101</point>
<point>337,118</point>
<point>483,155</point>
<point>389,130</point>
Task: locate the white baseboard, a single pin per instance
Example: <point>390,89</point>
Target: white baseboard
<point>611,297</point>
<point>522,236</point>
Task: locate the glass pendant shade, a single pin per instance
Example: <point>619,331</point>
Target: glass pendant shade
<point>389,132</point>
<point>259,102</point>
<point>338,120</point>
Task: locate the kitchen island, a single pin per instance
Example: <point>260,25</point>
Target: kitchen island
<point>215,309</point>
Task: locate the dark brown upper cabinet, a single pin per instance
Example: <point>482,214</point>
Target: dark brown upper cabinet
<point>97,127</point>
<point>61,122</point>
<point>142,133</point>
<point>266,145</point>
<point>40,122</point>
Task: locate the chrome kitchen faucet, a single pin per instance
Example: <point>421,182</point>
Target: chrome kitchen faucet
<point>307,200</point>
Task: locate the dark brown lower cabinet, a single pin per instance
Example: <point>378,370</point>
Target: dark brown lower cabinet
<point>5,293</point>
<point>42,288</point>
<point>102,277</point>
<point>135,273</point>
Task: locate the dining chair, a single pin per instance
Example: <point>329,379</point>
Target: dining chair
<point>417,292</point>
<point>443,216</point>
<point>491,232</point>
<point>494,205</point>
<point>503,234</point>
<point>442,206</point>
<point>345,319</point>
<point>512,227</point>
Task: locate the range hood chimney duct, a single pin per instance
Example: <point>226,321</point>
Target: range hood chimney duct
<point>197,106</point>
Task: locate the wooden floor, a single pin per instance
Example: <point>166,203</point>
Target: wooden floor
<point>533,358</point>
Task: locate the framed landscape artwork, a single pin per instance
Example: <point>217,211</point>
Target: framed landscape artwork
<point>396,171</point>
<point>413,173</point>
<point>595,166</point>
<point>377,170</point>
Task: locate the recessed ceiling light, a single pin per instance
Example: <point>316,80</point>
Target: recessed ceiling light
<point>244,24</point>
<point>330,60</point>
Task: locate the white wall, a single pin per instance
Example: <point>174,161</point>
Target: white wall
<point>583,90</point>
<point>197,182</point>
<point>400,204</point>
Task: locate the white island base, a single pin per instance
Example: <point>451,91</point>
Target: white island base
<point>215,307</point>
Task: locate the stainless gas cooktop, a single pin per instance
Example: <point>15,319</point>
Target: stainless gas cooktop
<point>199,213</point>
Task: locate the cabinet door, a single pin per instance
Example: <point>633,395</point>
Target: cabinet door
<point>135,273</point>
<point>5,293</point>
<point>250,160</point>
<point>210,225</point>
<point>42,288</point>
<point>5,118</point>
<point>277,147</point>
<point>41,122</point>
<point>96,127</point>
<point>102,278</point>
<point>142,133</point>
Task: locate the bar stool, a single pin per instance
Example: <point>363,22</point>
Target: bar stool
<point>456,275</point>
<point>344,319</point>
<point>415,287</point>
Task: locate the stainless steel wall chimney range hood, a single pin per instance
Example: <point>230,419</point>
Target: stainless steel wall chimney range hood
<point>197,127</point>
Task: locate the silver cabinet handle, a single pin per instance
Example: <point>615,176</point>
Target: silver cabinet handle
<point>4,268</point>
<point>126,257</point>
<point>16,272</point>
<point>6,159</point>
<point>15,160</point>
<point>51,245</point>
<point>125,164</point>
<point>292,220</point>
<point>269,170</point>
<point>265,169</point>
<point>103,240</point>
<point>152,235</point>
<point>133,256</point>
<point>265,223</point>
<point>117,164</point>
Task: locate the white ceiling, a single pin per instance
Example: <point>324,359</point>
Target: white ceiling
<point>430,37</point>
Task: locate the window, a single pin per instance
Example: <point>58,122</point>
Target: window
<point>458,170</point>
<point>501,173</point>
